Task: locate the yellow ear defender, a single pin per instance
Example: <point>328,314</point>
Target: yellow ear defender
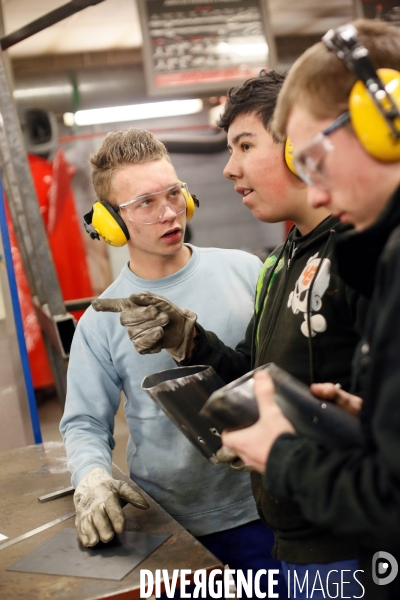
<point>289,152</point>
<point>104,221</point>
<point>374,100</point>
<point>191,203</point>
<point>370,125</point>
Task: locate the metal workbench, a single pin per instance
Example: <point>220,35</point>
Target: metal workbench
<point>32,471</point>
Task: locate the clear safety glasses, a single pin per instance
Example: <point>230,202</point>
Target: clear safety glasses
<point>149,208</point>
<point>309,161</point>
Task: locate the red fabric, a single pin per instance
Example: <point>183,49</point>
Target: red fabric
<point>57,205</point>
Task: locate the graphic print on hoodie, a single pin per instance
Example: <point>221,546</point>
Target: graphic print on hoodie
<point>299,278</point>
<point>308,292</point>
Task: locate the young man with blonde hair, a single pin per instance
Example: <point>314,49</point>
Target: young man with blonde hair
<point>136,182</point>
<point>351,165</point>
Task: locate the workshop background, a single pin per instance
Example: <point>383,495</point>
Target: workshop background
<point>112,55</point>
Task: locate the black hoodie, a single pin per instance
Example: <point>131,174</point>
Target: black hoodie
<point>298,291</point>
<point>357,492</point>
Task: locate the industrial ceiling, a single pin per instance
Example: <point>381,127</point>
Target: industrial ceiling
<point>114,24</point>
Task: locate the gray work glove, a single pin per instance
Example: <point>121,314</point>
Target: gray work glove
<point>228,456</point>
<point>153,323</point>
<point>98,508</point>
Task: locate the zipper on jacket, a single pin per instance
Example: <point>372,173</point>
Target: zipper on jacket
<point>292,252</point>
<point>274,310</point>
<point>262,300</point>
<point>276,306</point>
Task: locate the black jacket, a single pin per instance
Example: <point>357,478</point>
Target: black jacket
<point>357,493</point>
<point>298,290</point>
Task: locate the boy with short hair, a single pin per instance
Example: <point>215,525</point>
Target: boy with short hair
<point>142,202</point>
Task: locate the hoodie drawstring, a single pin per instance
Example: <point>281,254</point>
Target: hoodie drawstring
<point>310,343</point>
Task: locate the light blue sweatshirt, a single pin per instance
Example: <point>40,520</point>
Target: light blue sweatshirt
<point>219,286</point>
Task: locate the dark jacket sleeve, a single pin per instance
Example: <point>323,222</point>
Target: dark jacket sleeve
<point>357,491</point>
<point>228,363</point>
<point>358,306</point>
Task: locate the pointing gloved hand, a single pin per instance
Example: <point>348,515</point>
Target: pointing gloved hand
<point>97,501</point>
<point>153,323</point>
<point>228,456</point>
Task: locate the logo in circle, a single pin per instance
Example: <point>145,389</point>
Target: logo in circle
<point>384,568</point>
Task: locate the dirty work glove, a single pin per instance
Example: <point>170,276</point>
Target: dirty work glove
<point>98,507</point>
<point>228,456</point>
<point>153,323</point>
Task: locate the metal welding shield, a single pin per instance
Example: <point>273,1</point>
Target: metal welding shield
<point>181,393</point>
<point>235,407</point>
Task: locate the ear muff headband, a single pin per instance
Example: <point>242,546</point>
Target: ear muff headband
<point>289,153</point>
<point>374,100</point>
<point>104,221</point>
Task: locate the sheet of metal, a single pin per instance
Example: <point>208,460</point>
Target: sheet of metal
<point>64,555</point>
